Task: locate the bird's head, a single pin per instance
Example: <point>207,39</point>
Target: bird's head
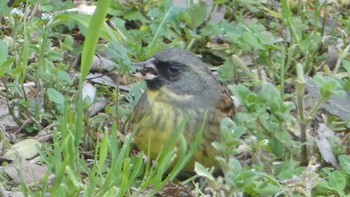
<point>177,70</point>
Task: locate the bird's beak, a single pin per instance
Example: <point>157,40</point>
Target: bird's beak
<point>146,70</point>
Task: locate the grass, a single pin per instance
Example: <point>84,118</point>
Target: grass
<point>265,52</point>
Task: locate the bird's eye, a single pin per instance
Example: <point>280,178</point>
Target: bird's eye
<point>174,69</point>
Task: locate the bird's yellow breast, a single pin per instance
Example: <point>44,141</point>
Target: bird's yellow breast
<point>155,127</point>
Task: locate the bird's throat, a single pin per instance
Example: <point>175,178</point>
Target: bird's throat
<point>165,95</point>
<point>154,84</point>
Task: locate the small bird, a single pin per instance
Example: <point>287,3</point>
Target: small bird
<point>180,83</point>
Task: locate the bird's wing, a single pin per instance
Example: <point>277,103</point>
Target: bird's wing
<point>225,104</point>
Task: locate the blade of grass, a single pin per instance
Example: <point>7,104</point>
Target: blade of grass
<point>300,88</point>
<point>288,16</point>
<point>103,150</point>
<point>92,36</point>
<point>152,48</point>
<point>189,154</point>
<point>116,172</point>
<point>168,152</point>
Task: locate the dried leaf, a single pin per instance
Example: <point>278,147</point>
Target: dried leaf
<point>97,107</point>
<point>100,63</point>
<point>101,79</point>
<point>177,190</point>
<point>217,15</point>
<point>25,171</point>
<point>332,56</point>
<point>324,145</point>
<point>83,9</point>
<point>339,106</point>
<point>26,149</point>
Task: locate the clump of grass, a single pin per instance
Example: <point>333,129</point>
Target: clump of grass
<point>267,144</point>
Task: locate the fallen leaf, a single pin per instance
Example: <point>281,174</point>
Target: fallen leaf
<point>83,9</point>
<point>332,56</point>
<point>339,106</point>
<point>26,149</point>
<point>324,145</point>
<point>176,190</point>
<point>25,171</point>
<point>97,107</point>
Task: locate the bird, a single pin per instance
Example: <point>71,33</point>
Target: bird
<point>179,83</point>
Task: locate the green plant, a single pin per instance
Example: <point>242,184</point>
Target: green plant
<point>268,49</point>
